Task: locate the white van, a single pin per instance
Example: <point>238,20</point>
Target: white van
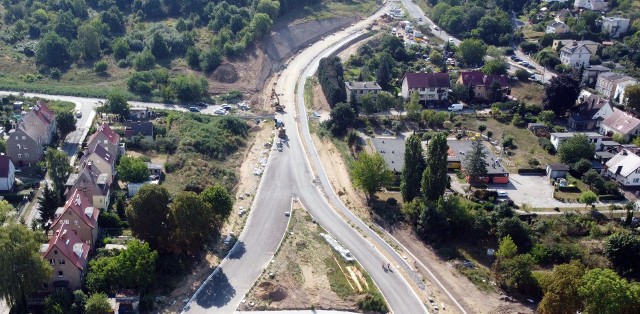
<point>455,107</point>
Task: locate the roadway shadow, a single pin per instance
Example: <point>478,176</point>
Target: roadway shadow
<point>237,251</point>
<point>217,292</point>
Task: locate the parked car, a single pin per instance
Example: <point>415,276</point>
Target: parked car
<point>201,104</point>
<point>502,193</point>
<point>226,107</point>
<point>78,114</point>
<point>220,112</point>
<point>194,109</point>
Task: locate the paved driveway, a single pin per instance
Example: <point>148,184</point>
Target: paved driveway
<point>536,191</point>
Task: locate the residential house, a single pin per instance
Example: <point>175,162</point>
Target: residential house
<point>138,128</point>
<point>108,138</point>
<point>32,132</point>
<point>591,45</point>
<point>590,74</point>
<point>562,15</point>
<point>67,254</point>
<point>615,26</point>
<point>138,113</point>
<point>593,5</point>
<point>607,84</point>
<point>94,184</point>
<point>100,158</point>
<point>496,173</point>
<point>7,173</point>
<point>481,83</point>
<point>79,216</point>
<point>622,123</point>
<point>592,110</point>
<point>575,55</point>
<point>555,171</point>
<point>557,138</point>
<point>619,95</point>
<point>557,27</point>
<point>624,167</point>
<point>430,86</point>
<point>355,90</point>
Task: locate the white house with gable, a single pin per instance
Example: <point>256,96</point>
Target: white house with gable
<point>624,167</point>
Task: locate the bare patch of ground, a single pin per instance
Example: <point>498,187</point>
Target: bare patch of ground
<point>305,273</point>
<point>247,73</point>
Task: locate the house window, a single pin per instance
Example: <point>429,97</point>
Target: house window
<point>52,262</point>
<point>636,180</point>
<point>19,156</point>
<point>75,223</point>
<point>61,261</point>
<point>55,251</point>
<point>60,274</point>
<point>66,221</point>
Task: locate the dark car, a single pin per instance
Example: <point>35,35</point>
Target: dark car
<point>201,104</point>
<point>194,109</point>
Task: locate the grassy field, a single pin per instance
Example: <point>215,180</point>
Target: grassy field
<point>526,142</point>
<point>530,93</point>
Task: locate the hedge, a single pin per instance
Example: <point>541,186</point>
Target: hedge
<point>569,189</point>
<point>532,171</point>
<point>611,197</point>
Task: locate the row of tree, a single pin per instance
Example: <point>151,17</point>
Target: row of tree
<point>331,78</point>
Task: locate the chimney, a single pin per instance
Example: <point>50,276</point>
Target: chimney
<point>618,170</point>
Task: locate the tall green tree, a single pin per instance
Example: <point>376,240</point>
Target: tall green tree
<point>117,104</point>
<point>58,168</point>
<point>560,289</point>
<point>66,123</point>
<point>342,117</point>
<point>261,24</point>
<point>434,177</point>
<point>633,96</point>
<point>475,164</point>
<point>52,50</point>
<point>147,215</point>
<point>383,74</point>
<point>192,222</point>
<point>120,47</point>
<point>472,51</point>
<point>414,108</point>
<point>576,148</point>
<point>623,251</point>
<point>89,37</point>
<point>495,67</point>
<point>22,269</point>
<point>371,173</point>
<point>133,169</point>
<point>414,165</point>
<point>516,230</point>
<point>158,46</point>
<point>603,291</point>
<point>220,201</point>
<point>98,303</point>
<point>561,94</point>
<point>49,202</point>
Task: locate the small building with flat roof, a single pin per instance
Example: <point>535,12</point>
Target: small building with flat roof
<point>392,150</point>
<point>458,150</point>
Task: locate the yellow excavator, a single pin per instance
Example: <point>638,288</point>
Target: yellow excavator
<point>275,101</point>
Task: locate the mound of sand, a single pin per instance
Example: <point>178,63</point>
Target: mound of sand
<point>226,73</point>
<point>269,291</point>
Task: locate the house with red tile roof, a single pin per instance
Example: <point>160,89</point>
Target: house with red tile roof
<point>101,159</point>
<point>7,173</point>
<point>91,182</point>
<point>32,132</point>
<point>80,217</point>
<point>108,138</point>
<point>430,86</point>
<point>620,122</point>
<point>482,83</point>
<point>67,254</point>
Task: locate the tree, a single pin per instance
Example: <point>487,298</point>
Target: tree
<point>546,117</point>
<point>98,304</point>
<point>144,61</point>
<point>507,248</point>
<point>220,201</point>
<point>368,104</point>
<point>588,198</point>
<point>632,94</point>
<point>591,177</point>
<point>117,104</point>
<point>133,169</point>
<point>120,48</point>
<point>147,214</point>
<point>515,274</point>
<point>210,59</point>
<point>517,230</point>
<point>193,57</point>
<point>5,210</point>
<point>49,202</point>
<point>603,291</point>
<point>414,107</point>
<point>385,101</point>
<point>79,302</point>
<point>414,165</point>
<point>383,74</point>
<point>436,57</point>
<point>192,222</point>
<point>89,38</point>
<point>560,289</point>
<point>370,173</point>
<point>189,87</point>
<point>623,251</point>
<point>580,167</point>
<point>472,51</point>
<point>261,24</point>
<point>269,7</point>
<point>475,163</point>
<point>52,50</point>
<point>66,123</point>
<point>58,167</point>
<point>331,78</point>
<point>342,117</point>
<point>22,269</point>
<point>482,127</point>
<point>576,148</point>
<point>101,67</point>
<point>561,94</point>
<point>522,75</point>
<point>158,46</point>
<point>131,268</point>
<point>495,67</point>
<point>495,93</point>
<point>434,178</point>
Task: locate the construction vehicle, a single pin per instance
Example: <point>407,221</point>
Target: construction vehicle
<point>282,132</point>
<point>275,101</point>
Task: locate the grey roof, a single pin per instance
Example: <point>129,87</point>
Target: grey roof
<point>604,155</point>
<point>392,150</point>
<point>572,134</point>
<point>363,85</point>
<point>151,166</point>
<point>609,143</point>
<point>629,162</point>
<point>558,167</point>
<point>458,151</point>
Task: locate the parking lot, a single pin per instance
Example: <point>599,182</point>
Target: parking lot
<point>536,191</point>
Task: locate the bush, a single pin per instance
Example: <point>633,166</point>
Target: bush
<point>100,67</point>
<point>485,195</point>
<point>373,302</point>
<point>569,189</point>
<point>546,145</point>
<point>611,197</point>
<point>532,171</point>
<point>392,201</point>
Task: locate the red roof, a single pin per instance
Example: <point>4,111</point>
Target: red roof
<point>102,153</point>
<point>501,79</point>
<point>70,245</point>
<point>108,132</point>
<point>83,207</point>
<point>5,165</point>
<point>427,80</point>
<point>477,78</point>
